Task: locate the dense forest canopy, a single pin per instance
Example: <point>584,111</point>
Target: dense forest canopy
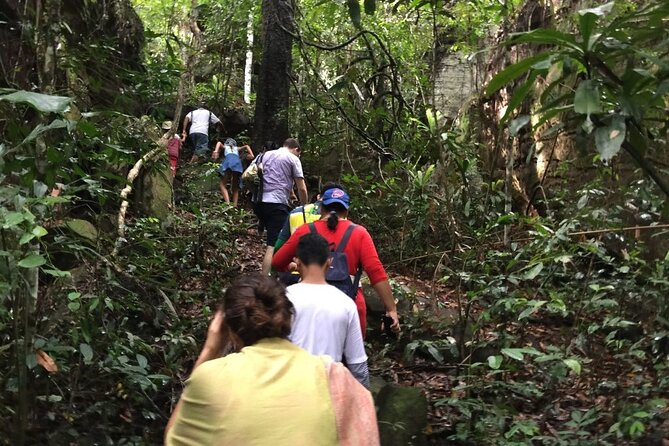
<point>509,158</point>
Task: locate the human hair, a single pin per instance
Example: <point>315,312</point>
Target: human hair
<point>334,209</point>
<point>291,143</point>
<point>312,249</point>
<point>256,307</point>
<point>330,185</point>
<point>270,145</point>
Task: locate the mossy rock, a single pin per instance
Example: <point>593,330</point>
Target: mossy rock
<point>154,194</point>
<point>402,416</point>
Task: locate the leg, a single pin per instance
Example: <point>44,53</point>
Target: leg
<point>267,260</point>
<point>201,144</point>
<point>223,186</point>
<point>275,214</point>
<point>235,187</point>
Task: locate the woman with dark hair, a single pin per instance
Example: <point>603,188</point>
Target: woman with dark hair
<point>230,170</point>
<point>271,392</point>
<point>360,252</point>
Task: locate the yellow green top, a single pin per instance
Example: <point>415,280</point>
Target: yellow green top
<point>271,393</point>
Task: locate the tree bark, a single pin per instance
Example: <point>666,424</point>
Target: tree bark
<point>273,93</point>
<point>249,59</point>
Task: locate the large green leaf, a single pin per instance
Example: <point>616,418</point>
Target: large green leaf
<point>519,96</point>
<point>56,124</point>
<point>587,99</point>
<point>512,72</point>
<point>370,6</point>
<point>32,261</point>
<point>546,36</point>
<point>588,19</point>
<point>354,11</point>
<point>42,102</point>
<point>86,352</point>
<point>609,139</point>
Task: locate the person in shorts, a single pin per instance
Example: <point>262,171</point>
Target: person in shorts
<point>230,170</point>
<point>199,120</point>
<point>281,169</point>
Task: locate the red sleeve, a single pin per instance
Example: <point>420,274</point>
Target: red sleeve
<point>369,258</point>
<point>285,254</point>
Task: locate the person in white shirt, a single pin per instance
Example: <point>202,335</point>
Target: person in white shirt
<point>199,130</point>
<point>326,320</point>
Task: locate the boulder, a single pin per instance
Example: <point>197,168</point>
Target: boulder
<point>154,194</point>
<point>402,416</point>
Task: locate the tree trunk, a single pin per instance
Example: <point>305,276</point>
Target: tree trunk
<point>190,58</point>
<point>249,59</point>
<point>271,115</point>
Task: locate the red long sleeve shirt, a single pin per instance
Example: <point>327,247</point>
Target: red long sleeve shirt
<point>360,249</point>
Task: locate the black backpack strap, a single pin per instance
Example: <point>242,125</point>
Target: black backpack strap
<point>356,280</point>
<point>344,239</point>
<point>312,228</point>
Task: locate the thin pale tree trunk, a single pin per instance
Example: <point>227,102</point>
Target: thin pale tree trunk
<point>249,58</point>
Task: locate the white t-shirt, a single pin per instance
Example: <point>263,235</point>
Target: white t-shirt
<point>200,120</point>
<point>326,322</point>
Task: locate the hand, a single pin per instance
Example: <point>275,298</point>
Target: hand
<point>216,341</point>
<point>292,266</point>
<point>395,326</point>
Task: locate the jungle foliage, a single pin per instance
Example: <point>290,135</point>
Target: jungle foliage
<point>554,330</point>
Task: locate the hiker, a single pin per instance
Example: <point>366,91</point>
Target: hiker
<point>360,252</point>
<point>326,320</point>
<point>297,217</point>
<point>199,120</point>
<point>230,169</point>
<point>303,214</point>
<point>271,392</point>
<point>173,144</point>
<point>280,169</point>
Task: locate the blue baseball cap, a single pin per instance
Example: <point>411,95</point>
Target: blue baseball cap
<point>336,195</point>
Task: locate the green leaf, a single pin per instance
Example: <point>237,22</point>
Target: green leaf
<point>609,139</point>
<point>370,7</point>
<point>354,12</point>
<point>32,261</point>
<point>13,219</point>
<point>26,237</point>
<point>436,354</point>
<point>532,308</point>
<point>517,124</point>
<point>546,36</point>
<point>533,272</point>
<point>494,362</point>
<point>512,72</point>
<point>519,96</point>
<point>587,20</point>
<point>86,352</point>
<point>141,360</point>
<point>587,99</point>
<point>37,131</point>
<point>42,102</point>
<point>573,365</point>
<point>514,353</point>
<point>57,273</point>
<point>39,231</point>
<point>74,295</point>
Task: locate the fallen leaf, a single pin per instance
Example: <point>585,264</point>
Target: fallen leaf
<point>45,361</point>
